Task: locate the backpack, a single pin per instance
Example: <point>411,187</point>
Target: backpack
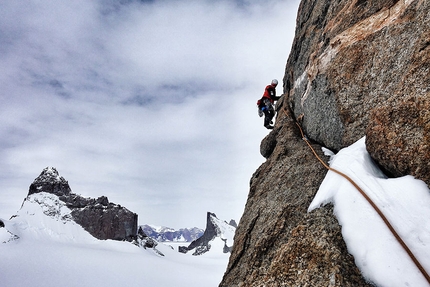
<point>260,103</point>
<point>261,106</point>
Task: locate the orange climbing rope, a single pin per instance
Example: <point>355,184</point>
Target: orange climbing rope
<point>375,207</point>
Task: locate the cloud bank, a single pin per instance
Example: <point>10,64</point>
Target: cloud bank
<point>151,103</point>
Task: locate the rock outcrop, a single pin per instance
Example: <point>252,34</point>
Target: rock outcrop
<point>102,219</point>
<point>398,136</point>
<point>146,242</point>
<point>233,223</point>
<point>214,228</point>
<point>356,68</point>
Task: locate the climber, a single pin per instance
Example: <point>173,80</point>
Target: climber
<point>265,104</point>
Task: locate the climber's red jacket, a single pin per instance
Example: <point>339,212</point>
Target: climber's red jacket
<point>270,93</point>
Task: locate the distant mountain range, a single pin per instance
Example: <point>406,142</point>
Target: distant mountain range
<point>167,234</point>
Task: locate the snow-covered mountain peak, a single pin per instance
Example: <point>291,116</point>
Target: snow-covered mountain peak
<point>50,174</point>
<point>44,215</point>
<point>167,234</point>
<point>50,181</point>
<point>217,231</point>
<point>161,228</point>
<point>224,230</point>
<point>101,218</point>
<point>49,204</point>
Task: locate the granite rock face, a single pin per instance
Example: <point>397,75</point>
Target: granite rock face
<point>357,68</point>
<point>102,219</point>
<point>277,243</point>
<point>350,57</point>
<point>398,136</point>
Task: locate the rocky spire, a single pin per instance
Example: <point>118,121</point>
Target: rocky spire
<point>201,244</point>
<point>50,181</point>
<point>213,229</point>
<point>98,216</point>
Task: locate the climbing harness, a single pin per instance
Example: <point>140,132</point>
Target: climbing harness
<point>375,207</point>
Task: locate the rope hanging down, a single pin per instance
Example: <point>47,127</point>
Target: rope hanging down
<point>375,207</point>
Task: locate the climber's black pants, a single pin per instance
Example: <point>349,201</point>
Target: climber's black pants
<point>269,112</point>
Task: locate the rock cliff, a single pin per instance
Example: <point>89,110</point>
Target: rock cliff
<point>277,243</point>
<point>102,219</point>
<point>356,68</point>
<point>353,63</point>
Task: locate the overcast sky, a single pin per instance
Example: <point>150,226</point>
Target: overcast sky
<point>151,103</point>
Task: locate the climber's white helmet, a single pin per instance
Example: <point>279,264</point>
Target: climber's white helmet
<point>274,82</point>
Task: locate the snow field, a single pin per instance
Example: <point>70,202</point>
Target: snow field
<point>404,201</point>
<point>55,251</point>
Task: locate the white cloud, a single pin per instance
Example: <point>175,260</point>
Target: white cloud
<point>150,103</point>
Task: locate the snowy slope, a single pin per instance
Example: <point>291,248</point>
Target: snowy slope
<point>224,230</point>
<point>218,237</point>
<point>405,202</point>
<point>44,216</point>
<point>44,247</point>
